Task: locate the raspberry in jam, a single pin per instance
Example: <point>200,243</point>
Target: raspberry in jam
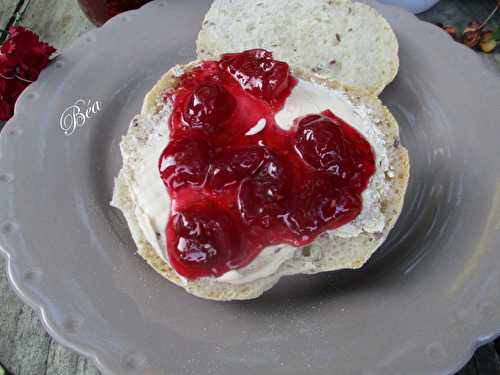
<point>233,193</point>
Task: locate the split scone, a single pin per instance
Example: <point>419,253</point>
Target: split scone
<point>238,172</point>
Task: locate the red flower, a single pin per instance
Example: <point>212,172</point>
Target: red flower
<point>22,57</point>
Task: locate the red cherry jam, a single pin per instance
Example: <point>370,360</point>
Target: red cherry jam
<point>234,194</point>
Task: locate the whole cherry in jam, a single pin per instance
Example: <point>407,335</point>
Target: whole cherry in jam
<point>208,107</point>
<point>320,202</point>
<point>257,72</point>
<point>184,162</point>
<point>328,144</point>
<point>233,194</point>
<point>262,198</point>
<point>232,165</point>
<point>321,144</point>
<point>202,237</point>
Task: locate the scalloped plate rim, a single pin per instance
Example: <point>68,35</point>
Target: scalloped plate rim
<point>481,336</point>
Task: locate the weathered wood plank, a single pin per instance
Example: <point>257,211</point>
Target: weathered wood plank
<point>469,369</point>
<point>484,362</point>
<point>31,344</point>
<point>6,11</point>
<point>23,341</point>
<point>58,22</point>
<point>10,309</point>
<point>487,361</point>
<point>63,361</point>
<point>25,347</point>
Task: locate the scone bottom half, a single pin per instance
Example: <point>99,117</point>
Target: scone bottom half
<point>243,187</point>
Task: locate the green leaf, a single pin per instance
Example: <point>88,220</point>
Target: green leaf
<point>496,34</point>
<point>2,371</point>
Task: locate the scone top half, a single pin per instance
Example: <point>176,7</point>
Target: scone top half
<point>238,172</point>
<point>342,41</point>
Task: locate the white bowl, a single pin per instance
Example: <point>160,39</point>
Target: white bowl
<point>415,6</point>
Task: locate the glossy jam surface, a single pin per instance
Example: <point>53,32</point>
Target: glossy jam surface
<point>236,190</point>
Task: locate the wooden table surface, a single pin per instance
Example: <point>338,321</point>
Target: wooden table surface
<point>25,347</point>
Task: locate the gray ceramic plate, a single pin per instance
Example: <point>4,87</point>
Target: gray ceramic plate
<point>421,305</point>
